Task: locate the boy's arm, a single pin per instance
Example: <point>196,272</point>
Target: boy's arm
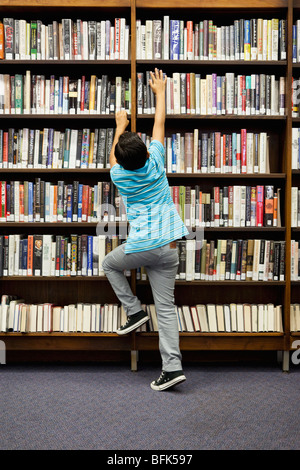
<point>158,86</point>
<point>121,124</point>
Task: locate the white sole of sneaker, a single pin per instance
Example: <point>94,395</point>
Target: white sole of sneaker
<point>171,383</point>
<point>133,327</point>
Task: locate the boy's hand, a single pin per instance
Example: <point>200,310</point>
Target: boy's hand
<point>121,120</point>
<point>157,82</point>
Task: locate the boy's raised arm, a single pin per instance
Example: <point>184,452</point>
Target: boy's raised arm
<point>121,124</point>
<point>158,86</point>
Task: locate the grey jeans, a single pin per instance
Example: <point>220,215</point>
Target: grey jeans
<point>161,266</point>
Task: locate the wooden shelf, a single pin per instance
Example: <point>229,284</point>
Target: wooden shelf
<point>224,283</point>
<point>29,62</point>
<point>66,3</point>
<point>54,170</point>
<point>216,117</point>
<point>209,63</point>
<point>228,175</point>
<point>213,4</point>
<point>60,224</point>
<point>169,175</point>
<point>72,117</point>
<point>53,278</point>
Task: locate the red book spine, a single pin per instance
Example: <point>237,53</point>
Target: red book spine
<point>217,205</point>
<point>30,255</point>
<point>176,197</point>
<point>21,188</point>
<point>189,26</point>
<point>238,154</point>
<point>260,206</point>
<point>85,201</point>
<point>244,150</point>
<point>224,153</point>
<point>5,150</point>
<point>243,94</point>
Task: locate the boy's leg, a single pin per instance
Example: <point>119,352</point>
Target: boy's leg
<point>162,281</point>
<point>114,265</point>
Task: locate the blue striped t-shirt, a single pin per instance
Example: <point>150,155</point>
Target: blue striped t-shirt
<point>153,217</point>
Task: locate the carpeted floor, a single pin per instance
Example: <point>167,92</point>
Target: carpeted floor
<point>107,407</point>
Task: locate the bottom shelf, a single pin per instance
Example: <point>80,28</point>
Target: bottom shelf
<point>217,341</point>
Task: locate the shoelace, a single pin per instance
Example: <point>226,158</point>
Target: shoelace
<point>161,377</point>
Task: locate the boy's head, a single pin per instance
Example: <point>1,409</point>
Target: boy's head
<point>131,152</point>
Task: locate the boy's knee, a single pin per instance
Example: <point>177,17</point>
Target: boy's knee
<point>105,263</point>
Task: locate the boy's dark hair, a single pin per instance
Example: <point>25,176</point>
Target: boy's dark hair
<point>131,152</point>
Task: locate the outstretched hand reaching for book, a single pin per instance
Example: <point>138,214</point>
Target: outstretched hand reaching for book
<point>158,82</point>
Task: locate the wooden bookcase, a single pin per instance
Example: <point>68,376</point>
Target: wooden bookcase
<point>71,290</point>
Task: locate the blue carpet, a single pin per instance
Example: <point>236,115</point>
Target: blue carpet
<point>108,407</point>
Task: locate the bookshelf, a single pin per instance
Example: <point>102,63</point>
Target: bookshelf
<point>279,127</point>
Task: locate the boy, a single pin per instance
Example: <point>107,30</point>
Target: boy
<point>154,228</point>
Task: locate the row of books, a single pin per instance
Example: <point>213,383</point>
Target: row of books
<point>295,261</point>
<point>295,96</point>
<point>213,94</point>
<point>227,259</point>
<point>18,316</point>
<point>245,39</point>
<point>239,318</point>
<point>50,148</point>
<point>37,94</point>
<point>296,42</point>
<point>295,317</point>
<point>55,255</point>
<point>42,201</point>
<point>82,255</point>
<point>64,40</point>
<point>230,206</point>
<point>216,152</point>
<point>295,148</point>
<point>295,207</point>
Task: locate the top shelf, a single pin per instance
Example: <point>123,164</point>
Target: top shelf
<point>238,4</point>
<point>66,3</point>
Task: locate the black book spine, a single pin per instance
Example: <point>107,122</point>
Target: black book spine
<point>42,201</point>
<point>282,261</point>
<point>79,244</point>
<point>5,255</point>
<point>75,200</point>
<point>248,206</point>
<point>57,254</point>
<point>261,260</point>
<point>228,259</point>
<point>84,249</point>
<point>276,261</point>
<point>37,254</point>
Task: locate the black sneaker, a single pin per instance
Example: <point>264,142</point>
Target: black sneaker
<point>168,379</point>
<point>133,322</point>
